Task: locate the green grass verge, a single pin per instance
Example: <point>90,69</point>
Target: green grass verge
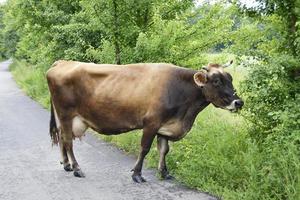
<point>32,80</point>
<point>217,156</point>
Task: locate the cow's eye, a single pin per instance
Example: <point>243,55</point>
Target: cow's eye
<point>217,82</point>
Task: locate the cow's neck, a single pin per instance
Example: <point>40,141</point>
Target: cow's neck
<point>191,99</point>
<point>192,111</point>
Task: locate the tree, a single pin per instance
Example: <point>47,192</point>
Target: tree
<point>289,10</point>
<point>122,21</point>
<point>182,40</point>
<point>272,86</point>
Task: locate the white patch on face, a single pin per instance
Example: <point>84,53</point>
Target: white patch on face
<point>235,105</point>
<point>231,106</point>
<point>78,127</point>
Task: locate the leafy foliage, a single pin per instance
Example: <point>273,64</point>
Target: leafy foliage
<point>181,41</point>
<point>289,10</point>
<point>270,89</point>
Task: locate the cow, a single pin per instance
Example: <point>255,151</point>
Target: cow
<point>161,99</point>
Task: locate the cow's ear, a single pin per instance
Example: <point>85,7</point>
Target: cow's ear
<point>200,78</point>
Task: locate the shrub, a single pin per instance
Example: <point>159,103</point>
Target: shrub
<point>272,99</point>
<point>269,90</point>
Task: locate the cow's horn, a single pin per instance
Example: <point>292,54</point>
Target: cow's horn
<point>228,64</point>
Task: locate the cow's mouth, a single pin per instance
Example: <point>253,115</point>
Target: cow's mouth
<point>234,110</point>
<point>235,105</point>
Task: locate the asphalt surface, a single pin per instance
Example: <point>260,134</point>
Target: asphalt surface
<point>30,168</point>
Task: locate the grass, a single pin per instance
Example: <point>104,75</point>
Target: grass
<point>32,80</point>
<point>217,156</point>
<point>208,158</point>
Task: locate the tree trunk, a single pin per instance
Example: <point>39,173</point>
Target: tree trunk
<point>293,20</point>
<point>116,34</point>
<point>117,53</point>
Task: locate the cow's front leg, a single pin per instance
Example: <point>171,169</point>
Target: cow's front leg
<point>163,148</point>
<point>146,142</point>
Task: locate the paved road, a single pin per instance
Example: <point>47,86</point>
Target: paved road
<point>30,169</point>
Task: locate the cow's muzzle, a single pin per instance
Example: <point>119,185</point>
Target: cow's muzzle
<point>235,105</point>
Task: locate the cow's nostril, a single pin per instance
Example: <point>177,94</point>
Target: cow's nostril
<point>238,103</point>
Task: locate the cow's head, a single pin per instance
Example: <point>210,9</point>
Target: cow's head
<point>217,87</point>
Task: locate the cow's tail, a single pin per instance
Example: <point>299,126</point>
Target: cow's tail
<point>54,132</point>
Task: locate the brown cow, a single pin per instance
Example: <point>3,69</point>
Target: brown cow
<point>162,99</point>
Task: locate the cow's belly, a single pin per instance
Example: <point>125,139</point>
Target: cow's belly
<point>114,130</point>
<point>110,125</point>
<point>173,129</point>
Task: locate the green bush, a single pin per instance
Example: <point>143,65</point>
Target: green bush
<point>269,90</point>
<point>272,96</point>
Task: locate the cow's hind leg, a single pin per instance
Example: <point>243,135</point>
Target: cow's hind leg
<point>56,136</point>
<point>163,148</point>
<point>65,160</point>
<point>146,142</point>
<point>75,166</point>
<point>67,140</point>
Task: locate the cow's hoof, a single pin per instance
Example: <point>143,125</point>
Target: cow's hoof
<point>138,178</point>
<point>168,177</point>
<point>68,168</point>
<point>78,173</point>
